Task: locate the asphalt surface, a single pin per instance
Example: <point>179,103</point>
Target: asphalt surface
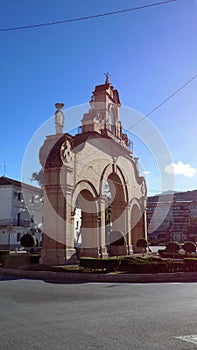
<point>48,315</point>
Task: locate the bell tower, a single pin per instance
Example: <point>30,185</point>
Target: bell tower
<point>104,113</point>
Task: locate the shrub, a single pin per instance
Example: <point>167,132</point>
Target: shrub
<point>142,243</point>
<point>28,241</point>
<point>109,264</point>
<point>189,247</point>
<point>172,247</point>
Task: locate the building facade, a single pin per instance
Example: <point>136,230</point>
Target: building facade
<point>21,211</point>
<point>176,224</point>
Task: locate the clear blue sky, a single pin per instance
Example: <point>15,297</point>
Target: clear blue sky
<point>149,54</point>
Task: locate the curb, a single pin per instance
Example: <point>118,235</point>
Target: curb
<point>100,277</point>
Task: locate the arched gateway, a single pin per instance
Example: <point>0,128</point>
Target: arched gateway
<point>93,171</point>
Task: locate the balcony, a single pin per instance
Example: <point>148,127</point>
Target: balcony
<point>122,140</point>
<point>14,222</point>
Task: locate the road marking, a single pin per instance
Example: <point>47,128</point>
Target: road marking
<point>189,338</point>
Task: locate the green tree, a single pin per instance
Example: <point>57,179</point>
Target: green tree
<point>38,177</point>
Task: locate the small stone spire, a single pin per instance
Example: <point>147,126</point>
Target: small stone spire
<point>92,102</point>
<point>59,118</point>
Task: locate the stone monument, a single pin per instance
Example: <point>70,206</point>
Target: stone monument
<point>77,170</point>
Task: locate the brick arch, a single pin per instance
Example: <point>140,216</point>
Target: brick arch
<point>85,197</point>
<point>113,170</point>
<point>119,202</point>
<point>83,186</point>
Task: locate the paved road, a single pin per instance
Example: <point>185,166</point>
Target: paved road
<point>63,316</point>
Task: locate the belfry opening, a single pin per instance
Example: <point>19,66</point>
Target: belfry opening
<point>92,178</point>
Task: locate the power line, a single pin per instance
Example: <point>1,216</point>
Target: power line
<point>85,17</point>
<point>166,99</point>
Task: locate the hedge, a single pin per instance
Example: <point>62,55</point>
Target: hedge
<point>108,264</point>
<point>170,255</point>
<point>132,265</point>
<point>151,265</point>
<point>16,260</point>
<point>190,264</point>
<point>4,252</point>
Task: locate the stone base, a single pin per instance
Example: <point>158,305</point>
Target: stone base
<point>118,250</point>
<point>103,252</point>
<point>70,256</point>
<point>129,250</point>
<point>53,257</point>
<point>58,256</point>
<point>91,252</point>
<point>138,250</point>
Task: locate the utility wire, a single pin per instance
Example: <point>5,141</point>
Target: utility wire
<point>85,17</point>
<point>164,101</point>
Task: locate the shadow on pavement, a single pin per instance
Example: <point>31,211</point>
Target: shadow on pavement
<point>8,278</point>
<point>64,282</point>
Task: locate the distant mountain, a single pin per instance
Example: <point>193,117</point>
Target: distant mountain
<point>178,196</point>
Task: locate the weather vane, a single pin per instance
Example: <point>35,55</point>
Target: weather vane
<point>107,77</point>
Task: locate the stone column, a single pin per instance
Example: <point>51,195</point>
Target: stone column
<point>102,228</point>
<point>128,228</point>
<point>54,221</point>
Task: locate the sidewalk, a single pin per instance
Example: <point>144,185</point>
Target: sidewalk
<point>101,277</point>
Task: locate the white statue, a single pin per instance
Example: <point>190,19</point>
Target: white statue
<point>59,118</point>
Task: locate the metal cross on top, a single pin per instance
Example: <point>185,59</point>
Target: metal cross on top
<point>107,77</point>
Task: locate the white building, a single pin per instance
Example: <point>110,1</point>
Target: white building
<point>21,211</point>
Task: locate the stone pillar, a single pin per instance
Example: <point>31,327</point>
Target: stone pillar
<point>128,227</point>
<point>102,228</point>
<point>70,252</point>
<point>53,252</point>
<point>145,225</point>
